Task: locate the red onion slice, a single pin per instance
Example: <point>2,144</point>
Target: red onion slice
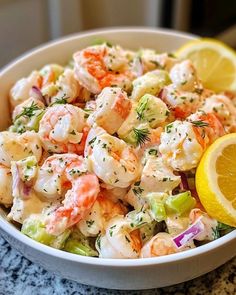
<point>189,234</point>
<point>184,181</point>
<point>36,93</point>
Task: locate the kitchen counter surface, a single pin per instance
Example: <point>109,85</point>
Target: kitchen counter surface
<point>19,276</point>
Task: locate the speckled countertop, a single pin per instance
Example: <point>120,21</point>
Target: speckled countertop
<point>19,276</point>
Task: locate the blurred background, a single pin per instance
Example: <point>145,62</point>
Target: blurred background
<point>25,24</point>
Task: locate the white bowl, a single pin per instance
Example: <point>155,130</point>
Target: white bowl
<point>108,273</point>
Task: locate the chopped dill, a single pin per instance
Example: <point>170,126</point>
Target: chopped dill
<point>200,123</point>
<point>141,135</point>
<point>62,100</point>
<point>141,108</point>
<point>28,111</point>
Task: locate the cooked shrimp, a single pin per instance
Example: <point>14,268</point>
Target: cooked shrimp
<point>207,127</point>
<point>93,133</point>
<point>5,186</point>
<point>179,146</point>
<point>110,208</point>
<point>113,161</point>
<point>183,96</point>
<point>102,211</point>
<point>78,200</point>
<point>113,193</point>
<point>21,90</point>
<point>112,108</point>
<point>67,174</point>
<point>157,177</point>
<point>62,129</point>
<point>15,146</point>
<point>54,176</point>
<point>181,103</point>
<point>68,87</point>
<point>120,241</point>
<point>151,60</point>
<point>183,142</point>
<point>210,225</point>
<point>162,244</point>
<point>101,66</point>
<point>224,110</point>
<point>184,77</point>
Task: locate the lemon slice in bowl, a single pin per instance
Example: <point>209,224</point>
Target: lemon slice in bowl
<point>216,179</point>
<point>215,63</point>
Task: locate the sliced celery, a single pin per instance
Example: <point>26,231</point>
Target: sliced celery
<point>24,123</point>
<point>100,41</point>
<point>34,228</point>
<point>180,203</point>
<point>80,248</point>
<point>152,110</point>
<point>79,244</point>
<point>158,210</point>
<point>59,241</point>
<point>156,202</point>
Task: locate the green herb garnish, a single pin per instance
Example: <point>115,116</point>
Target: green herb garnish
<point>152,152</point>
<point>141,135</point>
<point>62,100</point>
<point>137,191</point>
<point>28,111</point>
<point>141,108</point>
<point>168,128</point>
<point>200,123</point>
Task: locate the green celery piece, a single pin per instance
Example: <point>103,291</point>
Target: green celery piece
<point>23,124</point>
<point>180,203</point>
<point>35,229</point>
<point>158,210</point>
<point>80,248</point>
<point>59,241</point>
<point>222,226</point>
<point>100,41</point>
<point>148,110</point>
<point>156,202</point>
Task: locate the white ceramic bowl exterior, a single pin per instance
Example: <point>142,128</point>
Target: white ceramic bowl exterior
<point>108,273</point>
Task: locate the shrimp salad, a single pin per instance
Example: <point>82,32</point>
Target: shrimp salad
<point>101,155</point>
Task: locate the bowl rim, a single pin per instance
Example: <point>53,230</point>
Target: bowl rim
<point>137,262</point>
<point>11,230</point>
<point>90,33</point>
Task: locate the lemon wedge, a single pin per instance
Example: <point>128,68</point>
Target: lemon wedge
<point>215,63</point>
<point>216,179</point>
